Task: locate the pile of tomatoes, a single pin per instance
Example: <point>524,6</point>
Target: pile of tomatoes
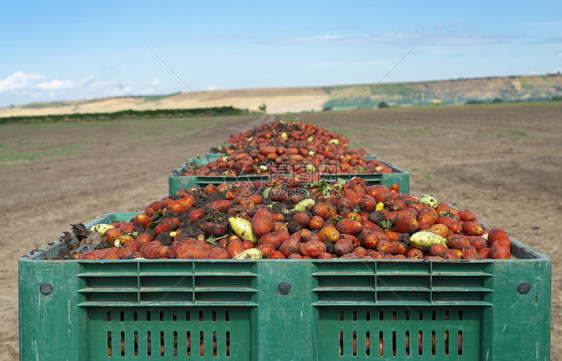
<point>288,148</point>
<point>299,221</point>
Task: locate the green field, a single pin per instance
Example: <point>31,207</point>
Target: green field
<point>36,142</point>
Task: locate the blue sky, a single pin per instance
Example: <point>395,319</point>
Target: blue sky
<point>67,50</point>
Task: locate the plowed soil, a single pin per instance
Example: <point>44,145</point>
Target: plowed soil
<point>503,162</point>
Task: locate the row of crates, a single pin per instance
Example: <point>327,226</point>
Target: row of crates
<point>283,309</point>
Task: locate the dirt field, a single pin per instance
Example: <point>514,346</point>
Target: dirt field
<point>503,162</point>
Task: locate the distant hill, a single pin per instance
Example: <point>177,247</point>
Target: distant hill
<point>458,91</point>
<point>282,100</point>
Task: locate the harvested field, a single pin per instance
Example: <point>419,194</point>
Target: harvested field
<point>503,162</point>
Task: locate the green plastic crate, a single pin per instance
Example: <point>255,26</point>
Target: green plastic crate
<point>284,309</point>
<point>196,161</point>
<point>176,182</point>
<point>212,157</point>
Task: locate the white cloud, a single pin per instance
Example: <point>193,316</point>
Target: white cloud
<point>472,39</point>
<point>343,64</point>
<point>213,87</point>
<point>430,37</point>
<point>385,37</point>
<point>435,36</point>
<point>87,79</point>
<point>395,36</point>
<point>324,37</point>
<point>19,81</point>
<point>117,88</point>
<point>315,39</point>
<point>120,91</point>
<point>21,88</point>
<point>56,84</point>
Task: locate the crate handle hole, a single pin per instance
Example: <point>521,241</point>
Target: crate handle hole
<point>46,288</point>
<point>284,288</point>
<point>524,287</point>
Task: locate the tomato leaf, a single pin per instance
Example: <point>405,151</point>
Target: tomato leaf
<point>337,219</point>
<point>266,192</point>
<point>386,223</point>
<point>212,240</point>
<point>156,218</point>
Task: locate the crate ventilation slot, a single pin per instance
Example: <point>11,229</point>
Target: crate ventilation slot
<point>421,283</point>
<point>160,334</point>
<point>400,332</point>
<point>159,284</point>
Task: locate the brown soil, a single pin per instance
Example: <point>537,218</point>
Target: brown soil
<point>503,162</point>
